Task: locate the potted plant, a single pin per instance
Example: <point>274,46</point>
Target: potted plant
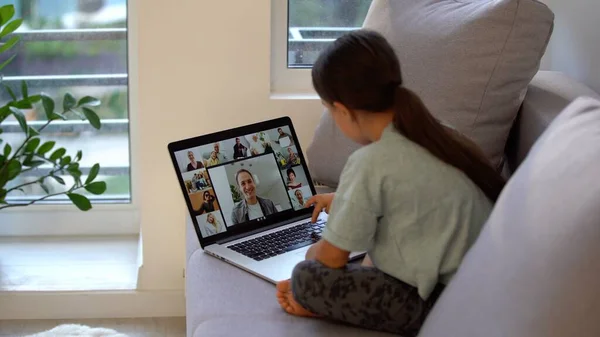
<point>31,153</point>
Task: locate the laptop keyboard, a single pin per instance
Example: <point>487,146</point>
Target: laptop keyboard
<point>280,242</point>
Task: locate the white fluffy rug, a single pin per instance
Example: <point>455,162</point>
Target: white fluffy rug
<point>75,330</point>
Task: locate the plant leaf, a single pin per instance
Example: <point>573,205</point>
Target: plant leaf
<point>6,13</point>
<point>20,118</point>
<point>80,201</point>
<point>23,104</point>
<point>56,116</point>
<point>78,156</point>
<point>14,168</point>
<point>92,117</point>
<point>28,159</point>
<point>11,27</point>
<point>74,172</point>
<point>66,160</point>
<point>24,90</point>
<point>7,149</point>
<point>32,145</point>
<point>9,44</point>
<point>35,98</point>
<point>47,146</point>
<point>68,102</point>
<point>58,179</point>
<point>5,63</point>
<point>33,132</point>
<point>48,104</point>
<point>44,187</point>
<point>36,163</point>
<point>57,154</point>
<point>97,187</point>
<point>73,166</point>
<point>88,101</point>
<point>93,173</point>
<point>79,114</point>
<point>10,92</point>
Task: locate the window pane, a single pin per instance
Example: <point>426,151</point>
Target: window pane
<point>315,23</point>
<point>68,57</point>
<point>79,47</point>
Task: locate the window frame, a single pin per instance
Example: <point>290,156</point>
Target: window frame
<point>286,82</point>
<point>64,219</point>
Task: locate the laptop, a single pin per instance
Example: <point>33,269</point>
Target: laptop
<point>245,189</point>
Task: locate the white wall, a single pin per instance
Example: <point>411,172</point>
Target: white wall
<point>198,59</point>
<point>575,44</point>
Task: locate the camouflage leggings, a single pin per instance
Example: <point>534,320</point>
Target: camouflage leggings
<point>361,296</point>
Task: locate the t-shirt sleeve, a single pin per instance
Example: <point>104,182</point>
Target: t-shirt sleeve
<point>356,208</point>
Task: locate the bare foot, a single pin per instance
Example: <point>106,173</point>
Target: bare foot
<point>288,303</point>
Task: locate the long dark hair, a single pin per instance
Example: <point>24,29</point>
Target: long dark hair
<point>361,71</point>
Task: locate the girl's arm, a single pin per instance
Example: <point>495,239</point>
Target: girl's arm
<point>328,254</point>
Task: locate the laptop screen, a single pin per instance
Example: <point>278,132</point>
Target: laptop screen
<point>242,179</point>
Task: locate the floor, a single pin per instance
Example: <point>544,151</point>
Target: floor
<point>133,327</point>
<point>68,264</point>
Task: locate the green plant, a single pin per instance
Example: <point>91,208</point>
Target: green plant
<point>31,152</point>
<point>235,193</point>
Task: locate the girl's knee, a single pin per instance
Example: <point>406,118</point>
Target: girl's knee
<point>306,270</point>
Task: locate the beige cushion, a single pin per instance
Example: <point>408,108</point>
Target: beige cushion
<point>470,61</point>
<point>535,269</point>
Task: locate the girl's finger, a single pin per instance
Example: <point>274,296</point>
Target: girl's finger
<point>317,211</point>
<point>312,200</point>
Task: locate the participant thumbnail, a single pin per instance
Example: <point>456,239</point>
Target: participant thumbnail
<point>240,147</point>
<point>288,157</point>
<point>211,224</point>
<point>300,196</point>
<point>270,141</point>
<point>189,160</point>
<point>196,180</point>
<point>216,153</point>
<point>250,189</point>
<point>294,177</point>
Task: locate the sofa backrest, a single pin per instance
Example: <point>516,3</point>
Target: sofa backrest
<point>470,62</point>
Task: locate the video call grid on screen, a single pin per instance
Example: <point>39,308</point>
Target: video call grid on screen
<point>277,175</point>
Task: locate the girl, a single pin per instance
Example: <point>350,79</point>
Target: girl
<point>414,197</point>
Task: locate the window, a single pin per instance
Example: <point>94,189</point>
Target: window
<point>301,29</point>
<point>315,23</point>
<point>76,46</point>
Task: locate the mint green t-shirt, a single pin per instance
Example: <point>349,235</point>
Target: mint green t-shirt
<point>415,215</point>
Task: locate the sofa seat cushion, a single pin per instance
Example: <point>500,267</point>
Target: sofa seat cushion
<point>222,300</point>
<point>470,62</point>
<point>535,269</point>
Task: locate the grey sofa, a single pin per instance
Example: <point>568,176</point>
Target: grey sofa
<point>225,301</point>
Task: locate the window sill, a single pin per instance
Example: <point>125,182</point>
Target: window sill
<point>66,220</point>
<point>68,263</point>
<point>294,96</point>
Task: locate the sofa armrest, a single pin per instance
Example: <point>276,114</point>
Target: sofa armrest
<point>547,95</point>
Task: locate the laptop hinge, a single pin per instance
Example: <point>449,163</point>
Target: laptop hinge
<point>263,229</point>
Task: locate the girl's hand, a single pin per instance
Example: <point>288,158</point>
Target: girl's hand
<point>320,201</point>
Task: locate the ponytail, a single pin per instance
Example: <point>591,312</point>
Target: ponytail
<point>361,71</point>
<point>415,122</point>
